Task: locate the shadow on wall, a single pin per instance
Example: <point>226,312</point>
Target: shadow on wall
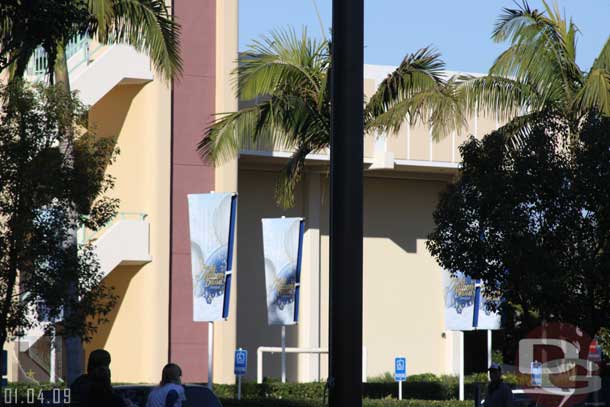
<point>387,208</point>
<point>107,116</point>
<point>256,196</point>
<point>120,279</point>
<point>392,211</point>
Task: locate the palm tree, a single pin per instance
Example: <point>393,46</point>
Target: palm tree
<point>283,81</point>
<point>147,25</point>
<point>538,73</point>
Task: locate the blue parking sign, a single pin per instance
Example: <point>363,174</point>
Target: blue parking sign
<point>241,362</point>
<point>400,369</point>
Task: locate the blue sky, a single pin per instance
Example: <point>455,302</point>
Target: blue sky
<point>459,29</point>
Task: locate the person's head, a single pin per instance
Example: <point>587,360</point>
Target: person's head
<point>98,358</point>
<point>171,374</point>
<point>495,373</point>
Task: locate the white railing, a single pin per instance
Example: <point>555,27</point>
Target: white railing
<point>278,349</point>
<point>78,52</point>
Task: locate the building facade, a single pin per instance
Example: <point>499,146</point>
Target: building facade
<point>145,252</point>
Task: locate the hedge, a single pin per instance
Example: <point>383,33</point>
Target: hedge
<point>365,403</point>
<point>420,387</point>
<point>444,388</point>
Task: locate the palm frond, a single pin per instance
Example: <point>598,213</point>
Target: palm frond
<point>290,176</point>
<point>282,60</point>
<point>542,49</point>
<point>440,108</point>
<point>518,129</point>
<point>491,95</point>
<point>283,121</point>
<point>249,127</point>
<point>147,25</point>
<point>419,72</point>
<point>603,59</point>
<point>595,93</point>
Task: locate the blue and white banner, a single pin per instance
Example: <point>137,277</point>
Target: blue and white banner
<point>212,232</point>
<point>465,304</point>
<point>283,248</point>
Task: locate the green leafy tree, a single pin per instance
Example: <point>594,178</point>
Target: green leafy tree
<point>282,82</point>
<point>533,222</point>
<point>27,24</point>
<point>538,72</point>
<point>42,271</point>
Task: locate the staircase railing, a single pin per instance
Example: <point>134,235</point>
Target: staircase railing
<point>80,46</point>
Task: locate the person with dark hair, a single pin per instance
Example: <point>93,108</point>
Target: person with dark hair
<point>81,387</point>
<point>170,392</point>
<point>94,388</point>
<point>101,393</point>
<point>499,393</point>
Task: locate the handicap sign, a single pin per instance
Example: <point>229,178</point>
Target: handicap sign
<point>400,369</point>
<point>536,369</point>
<point>241,362</point>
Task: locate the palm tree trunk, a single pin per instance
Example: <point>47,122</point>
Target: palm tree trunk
<point>74,346</point>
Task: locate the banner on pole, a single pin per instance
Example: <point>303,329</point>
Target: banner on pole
<point>466,305</point>
<point>283,248</point>
<point>212,230</point>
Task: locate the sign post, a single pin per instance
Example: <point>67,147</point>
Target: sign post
<point>241,367</point>
<point>466,310</point>
<point>400,373</point>
<point>210,354</point>
<point>283,253</point>
<point>283,353</point>
<point>212,234</point>
<point>461,373</point>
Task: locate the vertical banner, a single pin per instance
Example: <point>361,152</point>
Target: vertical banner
<point>462,295</point>
<point>212,230</point>
<point>283,248</point>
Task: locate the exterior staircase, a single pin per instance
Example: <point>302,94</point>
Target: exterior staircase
<point>95,69</point>
<point>123,242</point>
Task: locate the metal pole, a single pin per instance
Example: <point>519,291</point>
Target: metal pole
<point>210,354</point>
<point>364,364</point>
<point>489,350</point>
<point>283,353</point>
<point>346,156</point>
<point>400,390</point>
<point>259,365</point>
<point>52,358</point>
<point>239,387</point>
<point>461,335</point>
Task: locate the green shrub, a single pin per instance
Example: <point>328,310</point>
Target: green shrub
<point>366,403</point>
<point>382,378</point>
<point>433,389</point>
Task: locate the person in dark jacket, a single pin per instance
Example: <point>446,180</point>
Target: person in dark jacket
<point>94,388</point>
<point>81,387</point>
<point>102,394</point>
<point>499,394</point>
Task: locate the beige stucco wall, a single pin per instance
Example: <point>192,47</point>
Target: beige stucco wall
<point>137,335</point>
<point>226,175</point>
<point>403,307</point>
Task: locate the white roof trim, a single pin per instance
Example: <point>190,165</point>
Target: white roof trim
<point>367,160</point>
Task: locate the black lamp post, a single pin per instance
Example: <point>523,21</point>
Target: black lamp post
<point>347,95</point>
